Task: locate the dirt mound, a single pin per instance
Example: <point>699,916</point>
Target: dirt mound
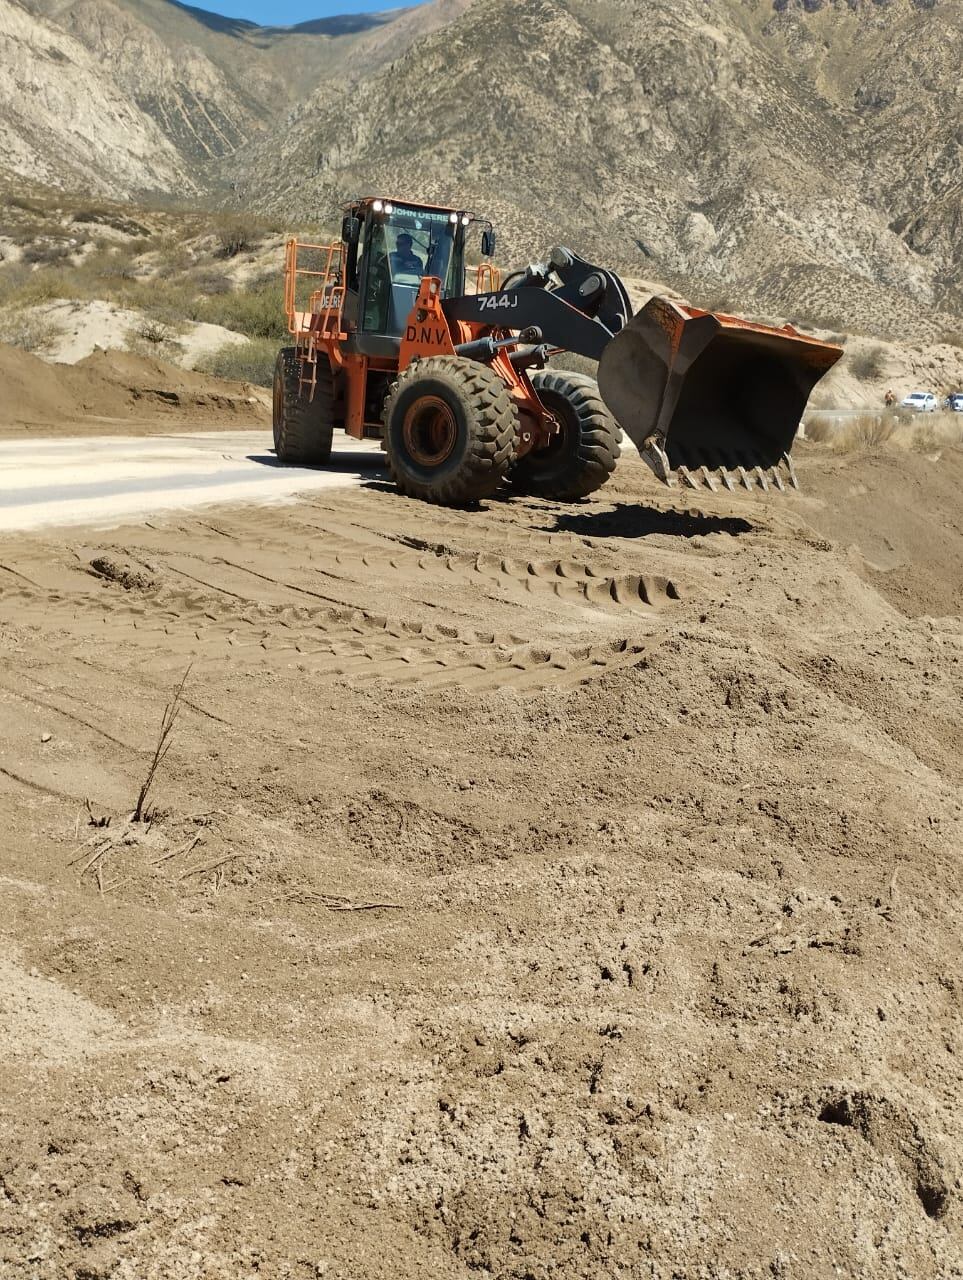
<point>116,386</point>
<point>487,926</point>
<point>901,513</point>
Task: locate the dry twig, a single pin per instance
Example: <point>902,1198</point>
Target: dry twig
<point>168,723</point>
<point>175,853</point>
<point>207,866</point>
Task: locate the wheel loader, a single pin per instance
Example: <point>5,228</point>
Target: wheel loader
<point>389,344</point>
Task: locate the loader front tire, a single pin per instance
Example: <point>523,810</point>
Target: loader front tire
<point>582,456</point>
<point>450,430</point>
<point>303,428</point>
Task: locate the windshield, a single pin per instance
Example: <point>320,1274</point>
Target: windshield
<point>422,243</point>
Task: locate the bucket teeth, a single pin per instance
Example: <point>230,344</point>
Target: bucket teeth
<point>656,457</point>
<point>793,478</point>
<point>695,475</point>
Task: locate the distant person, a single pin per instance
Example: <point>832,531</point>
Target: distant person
<point>889,399</point>
<point>404,261</point>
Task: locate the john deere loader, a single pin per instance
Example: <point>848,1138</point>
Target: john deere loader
<point>387,343</point>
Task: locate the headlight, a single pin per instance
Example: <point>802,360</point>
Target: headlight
<point>378,206</point>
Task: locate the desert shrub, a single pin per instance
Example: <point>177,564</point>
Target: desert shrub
<point>925,439</point>
<point>49,253</point>
<point>819,428</point>
<point>257,312</point>
<point>13,277</point>
<point>108,218</point>
<point>823,399</point>
<point>848,435</point>
<point>43,286</point>
<point>211,282</point>
<point>243,362</point>
<point>952,337</point>
<point>26,204</point>
<point>30,332</point>
<point>237,235</point>
<point>867,431</point>
<point>154,332</point>
<point>107,265</point>
<point>869,364</point>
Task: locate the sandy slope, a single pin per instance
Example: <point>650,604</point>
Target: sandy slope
<point>539,891</point>
<point>117,387</point>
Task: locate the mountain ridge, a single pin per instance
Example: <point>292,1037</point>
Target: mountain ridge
<point>773,153</point>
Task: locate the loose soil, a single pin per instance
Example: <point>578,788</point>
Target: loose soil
<point>116,389</point>
<point>534,891</point>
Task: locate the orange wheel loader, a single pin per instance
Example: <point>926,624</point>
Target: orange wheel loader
<point>389,345</point>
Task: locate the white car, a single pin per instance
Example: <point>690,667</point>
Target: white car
<point>921,401</point>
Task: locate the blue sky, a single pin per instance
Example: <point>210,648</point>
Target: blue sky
<point>282,13</point>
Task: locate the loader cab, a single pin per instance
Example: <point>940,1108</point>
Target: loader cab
<point>389,248</point>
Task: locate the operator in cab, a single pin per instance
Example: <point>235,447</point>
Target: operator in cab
<point>404,261</point>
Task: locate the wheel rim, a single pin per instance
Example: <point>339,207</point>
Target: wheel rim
<point>429,431</point>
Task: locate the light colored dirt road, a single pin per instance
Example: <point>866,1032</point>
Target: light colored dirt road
<point>539,892</point>
<point>102,480</point>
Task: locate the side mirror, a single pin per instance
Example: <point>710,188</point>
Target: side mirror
<point>488,243</point>
<point>351,229</point>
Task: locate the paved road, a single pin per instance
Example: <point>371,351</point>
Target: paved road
<point>103,480</point>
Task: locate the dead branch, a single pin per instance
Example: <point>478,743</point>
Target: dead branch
<point>207,866</point>
<point>102,846</point>
<point>164,741</point>
<point>333,902</point>
<point>175,853</point>
<point>103,821</point>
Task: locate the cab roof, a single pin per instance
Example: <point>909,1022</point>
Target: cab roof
<point>364,201</point>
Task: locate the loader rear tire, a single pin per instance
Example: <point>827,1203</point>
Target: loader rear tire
<point>303,428</point>
<point>582,456</point>
<point>450,430</point>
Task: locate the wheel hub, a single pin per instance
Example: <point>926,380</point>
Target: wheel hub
<point>429,431</point>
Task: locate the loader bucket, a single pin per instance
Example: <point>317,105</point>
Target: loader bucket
<point>710,399</point>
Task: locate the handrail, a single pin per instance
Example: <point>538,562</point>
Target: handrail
<point>331,291</point>
<point>488,278</point>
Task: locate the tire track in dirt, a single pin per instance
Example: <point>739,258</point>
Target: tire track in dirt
<point>330,643</point>
<point>342,549</point>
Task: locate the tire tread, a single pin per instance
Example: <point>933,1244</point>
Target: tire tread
<point>493,438</point>
<point>306,431</point>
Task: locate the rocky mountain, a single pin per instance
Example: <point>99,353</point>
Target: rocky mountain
<point>134,96</point>
<point>782,155</point>
<point>801,157</point>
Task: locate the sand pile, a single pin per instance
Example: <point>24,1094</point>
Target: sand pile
<point>79,328</point>
<point>901,515</point>
<point>494,922</point>
<point>116,386</point>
